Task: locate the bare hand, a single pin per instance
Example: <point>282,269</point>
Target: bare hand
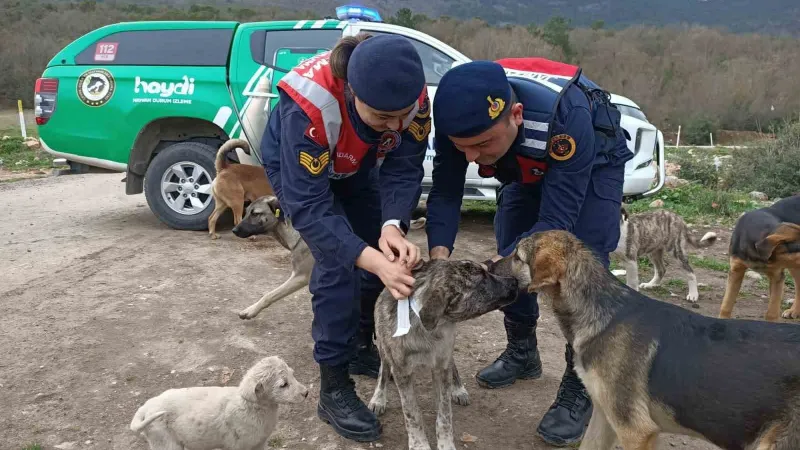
<point>397,278</point>
<point>392,241</point>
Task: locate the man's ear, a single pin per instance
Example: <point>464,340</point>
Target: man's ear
<point>516,114</point>
<point>547,267</point>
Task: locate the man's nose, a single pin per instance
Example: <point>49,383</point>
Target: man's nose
<point>394,124</point>
<point>471,155</point>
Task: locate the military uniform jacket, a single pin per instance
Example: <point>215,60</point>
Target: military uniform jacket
<point>315,137</point>
<point>569,127</point>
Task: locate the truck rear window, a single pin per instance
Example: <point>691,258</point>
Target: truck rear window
<point>207,47</point>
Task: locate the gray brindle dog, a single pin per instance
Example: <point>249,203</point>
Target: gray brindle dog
<point>654,234</point>
<point>264,216</point>
<point>447,292</point>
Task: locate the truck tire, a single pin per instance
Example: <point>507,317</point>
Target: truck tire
<point>177,185</point>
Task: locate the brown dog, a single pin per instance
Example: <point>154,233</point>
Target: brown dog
<point>235,184</point>
<point>766,240</point>
<point>652,367</point>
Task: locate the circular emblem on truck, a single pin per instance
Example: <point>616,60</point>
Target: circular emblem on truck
<point>96,87</point>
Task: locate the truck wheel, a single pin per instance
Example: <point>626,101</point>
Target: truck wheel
<point>177,185</point>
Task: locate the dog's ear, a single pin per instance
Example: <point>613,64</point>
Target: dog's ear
<point>432,310</point>
<point>784,234</point>
<point>259,389</point>
<point>273,203</point>
<point>547,265</point>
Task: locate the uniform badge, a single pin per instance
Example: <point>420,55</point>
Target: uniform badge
<point>562,147</point>
<point>424,110</point>
<point>495,107</point>
<point>420,132</point>
<point>390,140</point>
<point>314,166</point>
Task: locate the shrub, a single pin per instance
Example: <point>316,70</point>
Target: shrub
<point>697,131</point>
<point>772,168</point>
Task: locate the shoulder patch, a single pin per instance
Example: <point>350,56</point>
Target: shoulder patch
<point>424,110</point>
<point>562,147</point>
<point>312,134</point>
<point>314,165</point>
<point>420,131</point>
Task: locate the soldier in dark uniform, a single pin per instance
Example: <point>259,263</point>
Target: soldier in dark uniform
<point>346,118</point>
<point>553,140</point>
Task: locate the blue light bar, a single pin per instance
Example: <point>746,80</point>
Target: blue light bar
<point>357,12</point>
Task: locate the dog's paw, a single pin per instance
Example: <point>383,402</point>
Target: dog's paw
<point>692,296</point>
<point>460,396</point>
<point>253,237</point>
<point>246,314</point>
<point>791,314</point>
<point>214,236</point>
<point>648,285</point>
<point>377,407</point>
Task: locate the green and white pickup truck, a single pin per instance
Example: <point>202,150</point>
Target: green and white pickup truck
<point>156,100</point>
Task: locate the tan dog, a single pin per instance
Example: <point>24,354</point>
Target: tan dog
<point>652,367</point>
<point>766,240</point>
<point>235,184</point>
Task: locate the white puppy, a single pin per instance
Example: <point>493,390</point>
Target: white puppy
<point>215,417</point>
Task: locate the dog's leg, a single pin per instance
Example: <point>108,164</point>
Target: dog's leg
<point>159,437</point>
<point>459,393</point>
<point>378,402</point>
<point>295,282</point>
<point>639,441</point>
<point>776,281</point>
<point>411,412</point>
<point>680,254</point>
<point>732,287</point>
<point>599,435</point>
<point>442,378</point>
<point>657,257</point>
<point>219,208</point>
<point>794,311</point>
<point>632,273</point>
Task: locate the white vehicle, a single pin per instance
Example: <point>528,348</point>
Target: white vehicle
<point>644,174</point>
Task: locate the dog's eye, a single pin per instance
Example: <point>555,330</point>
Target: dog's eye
<point>284,383</point>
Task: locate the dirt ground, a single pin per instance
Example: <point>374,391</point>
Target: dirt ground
<point>102,307</point>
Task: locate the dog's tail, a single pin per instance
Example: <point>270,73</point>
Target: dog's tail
<point>707,240</point>
<point>140,423</point>
<point>220,164</point>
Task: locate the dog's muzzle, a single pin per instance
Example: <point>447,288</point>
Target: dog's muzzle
<point>246,229</point>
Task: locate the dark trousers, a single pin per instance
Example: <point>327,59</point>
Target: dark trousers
<point>597,225</point>
<point>343,300</point>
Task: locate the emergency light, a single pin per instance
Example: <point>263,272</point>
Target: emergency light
<point>356,12</point>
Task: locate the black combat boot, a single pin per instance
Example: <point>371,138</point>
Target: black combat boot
<point>367,360</point>
<point>566,420</point>
<point>520,360</point>
<point>340,407</point>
